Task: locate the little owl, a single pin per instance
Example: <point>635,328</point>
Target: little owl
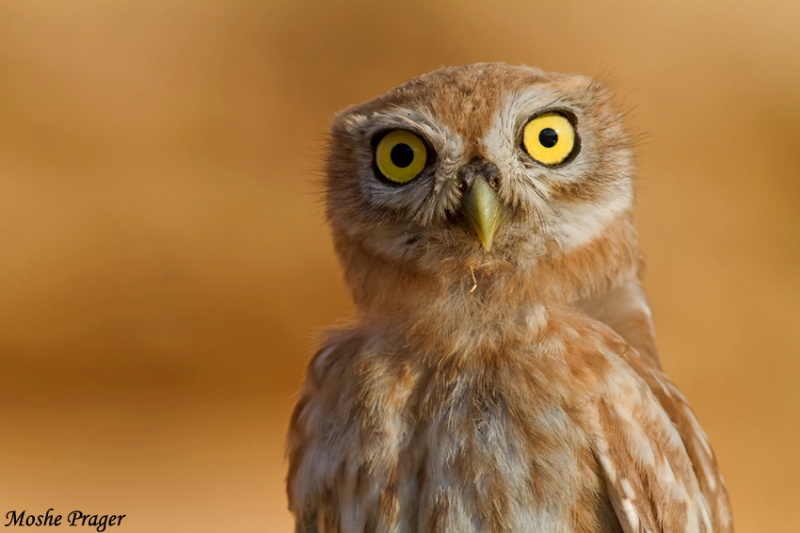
<point>501,373</point>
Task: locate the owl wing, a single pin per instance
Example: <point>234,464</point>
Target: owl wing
<point>625,310</point>
<point>658,467</point>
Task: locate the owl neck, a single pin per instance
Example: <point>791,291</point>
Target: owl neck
<point>458,297</point>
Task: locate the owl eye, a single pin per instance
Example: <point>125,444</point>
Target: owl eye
<point>400,156</point>
<point>549,138</point>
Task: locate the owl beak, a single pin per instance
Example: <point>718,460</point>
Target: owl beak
<point>483,211</point>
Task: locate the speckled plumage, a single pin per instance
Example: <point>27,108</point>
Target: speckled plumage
<point>515,388</point>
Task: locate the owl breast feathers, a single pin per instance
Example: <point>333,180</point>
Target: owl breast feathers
<point>501,373</point>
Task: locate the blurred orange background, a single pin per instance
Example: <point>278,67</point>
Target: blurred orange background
<point>165,264</point>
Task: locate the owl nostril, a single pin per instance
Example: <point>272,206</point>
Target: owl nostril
<point>478,168</point>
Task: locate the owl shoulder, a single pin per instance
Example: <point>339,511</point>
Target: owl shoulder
<point>659,469</point>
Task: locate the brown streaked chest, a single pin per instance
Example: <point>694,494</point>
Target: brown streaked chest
<point>495,446</point>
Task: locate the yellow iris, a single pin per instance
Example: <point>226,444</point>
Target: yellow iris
<point>400,156</point>
<point>549,138</point>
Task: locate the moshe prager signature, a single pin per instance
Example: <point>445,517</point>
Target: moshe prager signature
<point>75,518</point>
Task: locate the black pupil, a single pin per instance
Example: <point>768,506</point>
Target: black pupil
<point>402,155</point>
<point>548,137</point>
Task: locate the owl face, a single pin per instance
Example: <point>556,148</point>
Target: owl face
<point>481,166</point>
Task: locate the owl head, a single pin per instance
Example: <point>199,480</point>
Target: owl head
<point>502,178</point>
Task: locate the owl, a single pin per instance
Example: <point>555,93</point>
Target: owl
<point>500,373</point>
